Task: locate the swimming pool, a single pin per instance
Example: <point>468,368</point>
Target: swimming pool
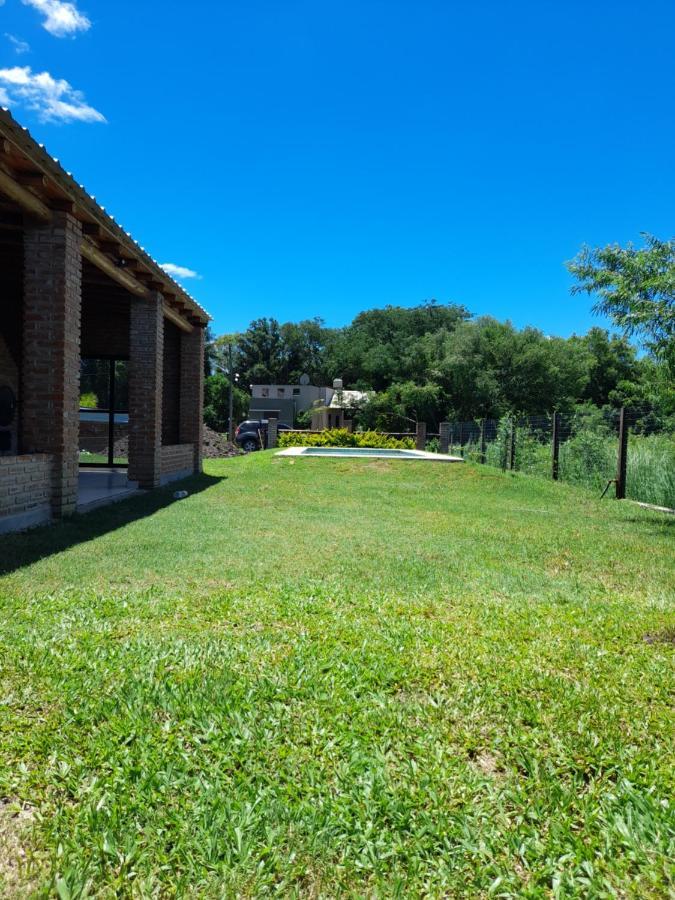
<point>368,453</point>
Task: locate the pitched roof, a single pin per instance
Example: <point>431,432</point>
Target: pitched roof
<point>42,185</point>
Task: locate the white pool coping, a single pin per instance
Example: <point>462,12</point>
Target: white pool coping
<point>353,453</point>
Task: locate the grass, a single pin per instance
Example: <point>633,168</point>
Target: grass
<point>340,678</point>
<point>589,459</point>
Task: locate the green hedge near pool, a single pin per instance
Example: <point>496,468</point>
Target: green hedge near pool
<point>340,437</point>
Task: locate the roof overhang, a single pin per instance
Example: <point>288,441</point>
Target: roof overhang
<point>39,185</point>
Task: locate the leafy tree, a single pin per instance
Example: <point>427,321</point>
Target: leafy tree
<point>216,402</point>
<point>636,288</point>
<point>260,352</point>
<point>611,364</point>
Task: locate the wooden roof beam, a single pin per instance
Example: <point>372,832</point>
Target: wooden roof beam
<point>120,275</point>
<point>177,319</point>
<point>28,202</point>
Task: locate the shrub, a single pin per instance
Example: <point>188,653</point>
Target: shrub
<point>88,400</point>
<point>340,437</point>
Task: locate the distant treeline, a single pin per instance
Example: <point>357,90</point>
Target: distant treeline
<point>436,361</point>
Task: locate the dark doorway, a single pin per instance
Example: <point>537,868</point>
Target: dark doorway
<point>104,412</point>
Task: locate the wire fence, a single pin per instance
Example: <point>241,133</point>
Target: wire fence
<point>627,449</point>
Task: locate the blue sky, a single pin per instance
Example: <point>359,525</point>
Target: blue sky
<point>320,158</point>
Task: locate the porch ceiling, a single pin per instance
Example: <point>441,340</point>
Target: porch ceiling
<point>33,184</point>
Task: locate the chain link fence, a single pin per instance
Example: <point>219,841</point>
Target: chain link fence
<point>629,449</point>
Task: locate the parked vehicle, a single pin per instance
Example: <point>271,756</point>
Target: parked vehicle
<point>252,434</point>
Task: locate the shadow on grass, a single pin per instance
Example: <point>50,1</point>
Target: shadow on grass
<point>25,548</point>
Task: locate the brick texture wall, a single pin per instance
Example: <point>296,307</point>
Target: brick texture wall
<point>25,483</point>
<point>105,327</point>
<point>177,458</point>
<point>171,385</point>
<point>9,375</point>
<point>146,358</point>
<point>51,351</point>
<point>192,392</point>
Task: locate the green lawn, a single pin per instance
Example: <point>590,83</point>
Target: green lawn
<point>340,677</point>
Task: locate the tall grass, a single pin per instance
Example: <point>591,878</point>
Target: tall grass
<point>589,458</point>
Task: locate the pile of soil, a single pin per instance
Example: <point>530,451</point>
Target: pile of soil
<point>215,446</point>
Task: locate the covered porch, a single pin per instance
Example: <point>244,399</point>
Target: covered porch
<point>101,352</point>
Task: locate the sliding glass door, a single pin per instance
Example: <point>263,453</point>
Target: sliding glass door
<point>104,412</point>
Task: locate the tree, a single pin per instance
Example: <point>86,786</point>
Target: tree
<point>636,288</point>
<point>612,366</point>
<point>216,402</point>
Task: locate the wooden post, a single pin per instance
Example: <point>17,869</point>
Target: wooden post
<point>623,456</point>
<point>482,441</point>
<point>421,436</point>
<point>512,448</point>
<point>555,447</point>
<point>444,437</point>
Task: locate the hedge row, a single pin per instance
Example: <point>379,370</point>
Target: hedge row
<point>340,437</point>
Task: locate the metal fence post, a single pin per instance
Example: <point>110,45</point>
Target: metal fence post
<point>483,448</point>
<point>555,447</point>
<point>461,440</point>
<point>421,436</point>
<point>623,456</point>
<point>444,437</point>
<point>512,449</point>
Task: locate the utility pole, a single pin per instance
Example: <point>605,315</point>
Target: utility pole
<point>230,431</point>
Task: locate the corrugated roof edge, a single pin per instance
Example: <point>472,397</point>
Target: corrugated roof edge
<point>37,153</point>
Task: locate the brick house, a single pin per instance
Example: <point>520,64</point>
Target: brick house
<point>77,294</point>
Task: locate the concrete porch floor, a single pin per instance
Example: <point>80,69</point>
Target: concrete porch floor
<point>97,487</point>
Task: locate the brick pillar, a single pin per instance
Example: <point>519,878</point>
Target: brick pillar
<point>444,442</point>
<point>146,360</point>
<point>50,409</point>
<point>192,391</point>
<point>272,432</point>
<point>421,436</point>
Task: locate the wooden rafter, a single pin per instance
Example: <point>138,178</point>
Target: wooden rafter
<point>28,202</point>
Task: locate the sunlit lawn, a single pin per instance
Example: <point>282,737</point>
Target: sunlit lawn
<point>330,677</point>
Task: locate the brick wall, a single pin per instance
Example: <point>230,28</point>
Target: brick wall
<point>177,458</point>
<point>171,385</point>
<point>192,392</point>
<point>51,351</point>
<point>9,375</point>
<point>146,363</point>
<point>25,483</point>
<point>105,327</point>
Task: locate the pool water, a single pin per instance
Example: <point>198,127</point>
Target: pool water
<point>359,451</point>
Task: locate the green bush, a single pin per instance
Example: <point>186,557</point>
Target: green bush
<point>340,437</point>
<point>88,400</point>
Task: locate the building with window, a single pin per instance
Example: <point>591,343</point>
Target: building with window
<point>285,401</point>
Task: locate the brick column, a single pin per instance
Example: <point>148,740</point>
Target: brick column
<point>192,391</point>
<point>421,436</point>
<point>272,432</point>
<point>146,360</point>
<point>50,409</point>
<point>444,441</point>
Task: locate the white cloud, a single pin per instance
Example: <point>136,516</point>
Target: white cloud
<point>178,271</point>
<point>60,18</point>
<point>19,45</point>
<point>54,99</point>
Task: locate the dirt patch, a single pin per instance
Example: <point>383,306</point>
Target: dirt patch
<point>487,763</point>
<point>667,636</point>
<point>215,446</point>
<point>16,819</point>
